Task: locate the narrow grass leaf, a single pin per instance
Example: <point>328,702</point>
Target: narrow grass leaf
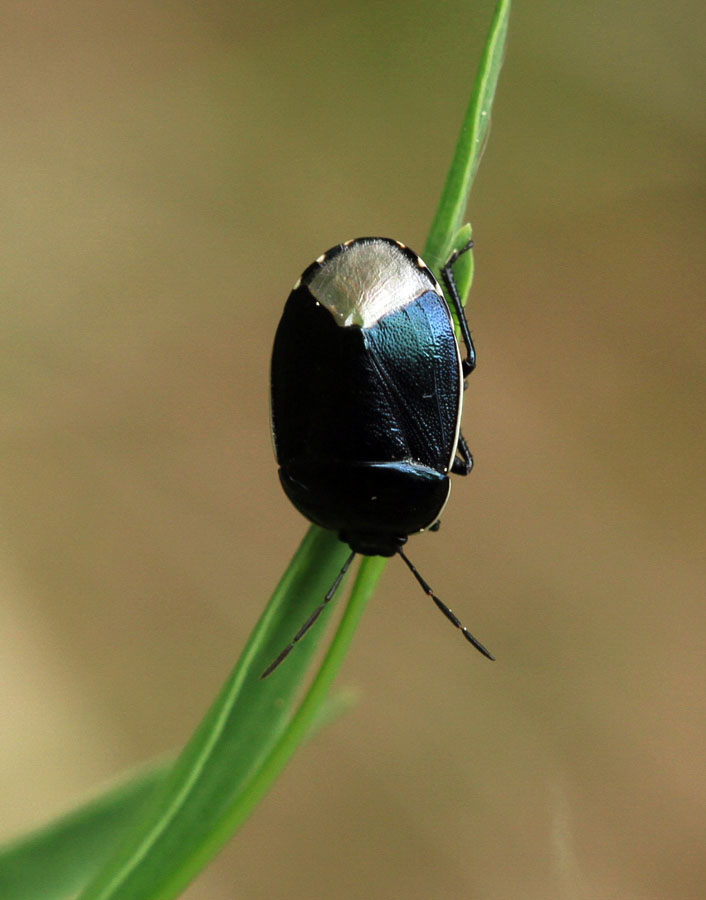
<point>57,860</point>
<point>192,813</point>
<point>470,144</point>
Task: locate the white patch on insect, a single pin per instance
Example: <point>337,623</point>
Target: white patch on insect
<point>297,284</point>
<point>348,243</point>
<point>367,281</point>
<point>400,245</point>
<point>421,263</point>
<point>321,259</point>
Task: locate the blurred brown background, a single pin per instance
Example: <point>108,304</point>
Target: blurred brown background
<point>168,169</point>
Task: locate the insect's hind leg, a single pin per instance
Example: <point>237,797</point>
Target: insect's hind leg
<point>447,275</point>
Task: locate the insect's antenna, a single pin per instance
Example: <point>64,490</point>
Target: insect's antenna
<point>310,621</point>
<point>445,610</point>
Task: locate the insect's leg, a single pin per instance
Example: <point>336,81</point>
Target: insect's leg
<point>447,275</point>
<point>283,654</point>
<point>463,463</point>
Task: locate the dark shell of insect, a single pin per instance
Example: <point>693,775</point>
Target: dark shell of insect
<point>367,388</point>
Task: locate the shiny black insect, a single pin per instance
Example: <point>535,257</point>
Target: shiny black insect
<point>367,389</point>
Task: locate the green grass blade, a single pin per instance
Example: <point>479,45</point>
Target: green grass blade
<point>197,806</point>
<point>306,718</point>
<point>56,861</point>
<point>470,145</point>
<point>254,726</point>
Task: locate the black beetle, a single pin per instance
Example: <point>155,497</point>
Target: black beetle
<point>367,388</point>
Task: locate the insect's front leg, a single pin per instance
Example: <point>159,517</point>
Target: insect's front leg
<point>469,363</point>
